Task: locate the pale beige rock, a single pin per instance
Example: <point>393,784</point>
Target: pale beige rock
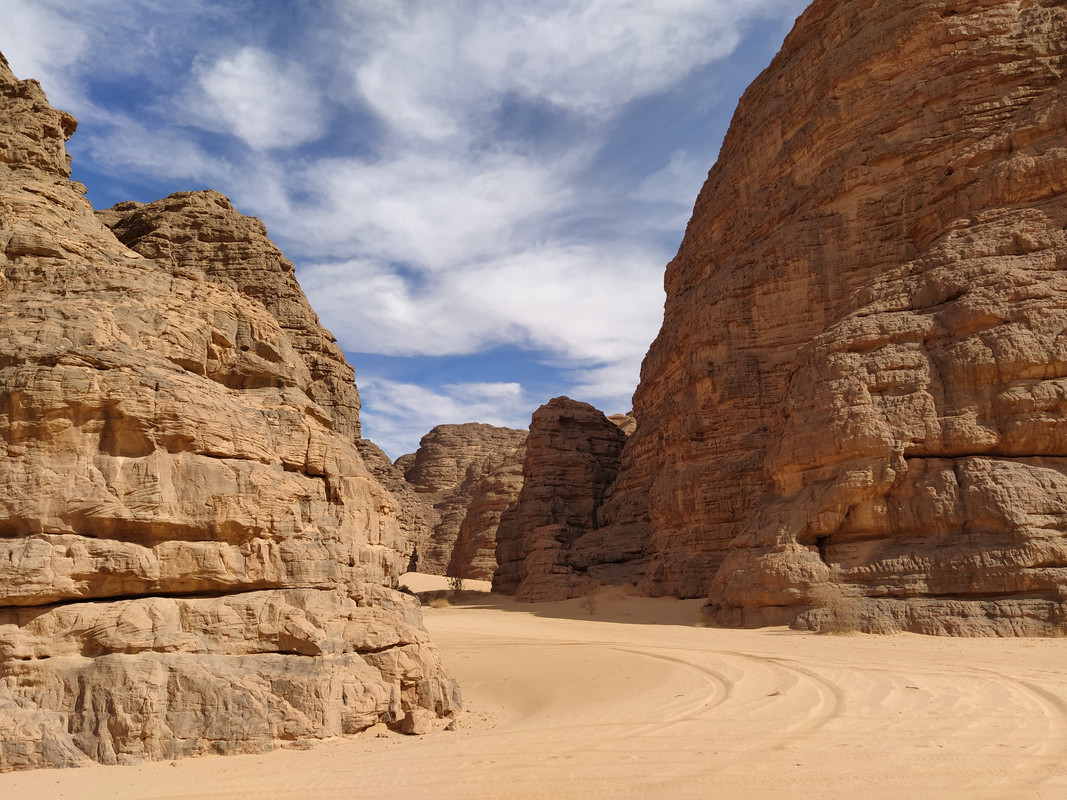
<point>185,523</point>
<point>625,422</point>
<point>417,722</point>
<point>414,516</point>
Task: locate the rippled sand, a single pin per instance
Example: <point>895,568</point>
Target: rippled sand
<point>627,697</point>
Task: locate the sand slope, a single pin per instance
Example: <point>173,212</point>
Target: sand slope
<point>636,701</point>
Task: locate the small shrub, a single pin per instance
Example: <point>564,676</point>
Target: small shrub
<point>455,584</point>
<point>440,602</point>
<point>404,589</point>
<point>589,603</point>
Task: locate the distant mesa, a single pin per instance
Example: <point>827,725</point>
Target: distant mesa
<point>451,493</point>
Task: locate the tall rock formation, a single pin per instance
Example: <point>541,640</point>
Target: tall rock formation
<point>857,394</point>
<point>857,401</point>
<point>414,516</point>
<point>550,543</point>
<point>185,523</point>
<point>474,551</point>
<point>452,465</point>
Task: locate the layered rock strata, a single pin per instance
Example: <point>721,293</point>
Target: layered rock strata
<point>474,551</point>
<point>414,516</point>
<point>185,523</point>
<point>857,395</point>
<point>550,543</point>
<point>454,465</point>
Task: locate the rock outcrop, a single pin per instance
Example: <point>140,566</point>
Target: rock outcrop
<point>186,527</point>
<point>550,543</point>
<point>857,397</point>
<point>453,465</point>
<point>414,516</point>
<point>474,551</point>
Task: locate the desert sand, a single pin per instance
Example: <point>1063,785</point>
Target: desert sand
<point>632,697</point>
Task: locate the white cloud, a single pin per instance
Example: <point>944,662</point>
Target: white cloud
<point>258,99</point>
<point>429,212</point>
<point>128,144</point>
<point>586,304</point>
<point>431,69</point>
<point>41,42</point>
<point>396,415</point>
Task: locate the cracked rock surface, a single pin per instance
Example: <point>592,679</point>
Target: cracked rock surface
<point>857,403</point>
<point>193,556</point>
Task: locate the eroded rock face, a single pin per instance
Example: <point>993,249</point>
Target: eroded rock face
<point>474,551</point>
<point>185,522</point>
<point>549,543</point>
<point>203,231</point>
<point>413,515</point>
<point>857,395</point>
<point>453,465</point>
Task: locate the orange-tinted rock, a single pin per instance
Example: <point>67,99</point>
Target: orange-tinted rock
<point>446,472</point>
<point>474,551</point>
<point>185,522</point>
<point>857,394</point>
<point>544,540</point>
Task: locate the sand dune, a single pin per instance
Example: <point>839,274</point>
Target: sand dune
<point>634,700</point>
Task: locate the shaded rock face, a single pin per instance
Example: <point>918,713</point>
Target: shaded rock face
<point>414,517</point>
<point>185,522</point>
<point>453,464</point>
<point>858,393</point>
<point>474,551</point>
<point>549,543</point>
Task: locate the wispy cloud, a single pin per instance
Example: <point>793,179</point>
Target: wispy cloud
<point>400,413</point>
<point>257,98</point>
<point>436,170</point>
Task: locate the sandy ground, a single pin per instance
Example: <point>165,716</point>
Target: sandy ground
<point>630,698</point>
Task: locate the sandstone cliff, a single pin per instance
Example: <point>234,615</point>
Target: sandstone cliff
<point>474,551</point>
<point>452,465</point>
<point>414,516</point>
<point>185,523</point>
<point>857,397</point>
<point>549,543</point>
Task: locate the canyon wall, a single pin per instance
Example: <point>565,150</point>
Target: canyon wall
<point>857,403</point>
<point>549,542</point>
<point>185,522</point>
<point>857,395</point>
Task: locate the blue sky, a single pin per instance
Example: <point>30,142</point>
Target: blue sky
<point>480,198</point>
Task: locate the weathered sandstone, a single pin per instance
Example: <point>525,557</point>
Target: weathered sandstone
<point>474,551</point>
<point>193,557</point>
<point>414,516</point>
<point>549,543</point>
<point>453,464</point>
<point>201,230</point>
<point>857,397</point>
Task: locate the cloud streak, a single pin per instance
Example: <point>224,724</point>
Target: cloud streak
<point>448,177</point>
